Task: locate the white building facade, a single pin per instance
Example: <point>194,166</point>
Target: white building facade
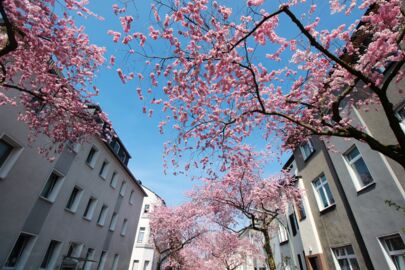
<point>144,256</point>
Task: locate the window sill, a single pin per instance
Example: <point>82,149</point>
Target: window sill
<point>308,157</point>
<point>100,225</point>
<point>122,235</point>
<point>284,242</point>
<point>327,209</point>
<point>102,177</point>
<point>70,211</point>
<point>46,199</point>
<point>90,166</point>
<point>111,230</point>
<point>87,218</point>
<point>366,188</point>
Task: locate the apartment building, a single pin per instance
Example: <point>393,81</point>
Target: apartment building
<point>80,211</point>
<point>347,221</point>
<point>144,256</point>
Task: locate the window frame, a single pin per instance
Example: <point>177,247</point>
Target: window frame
<point>92,162</point>
<point>387,253</point>
<point>311,149</point>
<point>124,227</point>
<point>114,179</point>
<point>102,216</point>
<point>54,256</point>
<point>318,196</point>
<point>104,169</point>
<point>131,199</point>
<point>90,209</point>
<point>354,175</point>
<point>142,231</point>
<point>346,256</point>
<point>113,221</point>
<point>12,157</point>
<point>56,189</point>
<point>123,188</point>
<point>102,260</point>
<point>76,202</point>
<point>24,255</point>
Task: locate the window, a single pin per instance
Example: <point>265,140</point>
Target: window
<point>395,251</point>
<point>123,187</point>
<point>315,263</point>
<point>102,216</point>
<point>282,234</point>
<point>358,168</point>
<point>116,147</point>
<point>101,262</point>
<point>74,199</point>
<point>103,170</point>
<point>141,235</point>
<point>89,259</point>
<point>146,265</point>
<point>52,187</point>
<point>146,208</point>
<point>294,225</point>
<point>301,210</point>
<point>91,205</point>
<point>5,151</point>
<point>20,252</point>
<point>346,258</point>
<point>9,152</point>
<point>135,265</point>
<point>131,197</point>
<point>124,227</point>
<point>75,249</point>
<point>306,149</point>
<point>91,157</point>
<point>401,116</point>
<point>51,255</point>
<point>113,182</point>
<point>323,194</point>
<point>115,262</point>
<point>300,262</point>
<point>113,221</point>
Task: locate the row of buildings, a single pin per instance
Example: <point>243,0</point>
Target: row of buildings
<point>352,215</point>
<point>85,210</point>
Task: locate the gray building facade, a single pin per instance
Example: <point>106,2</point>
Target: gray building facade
<point>80,211</point>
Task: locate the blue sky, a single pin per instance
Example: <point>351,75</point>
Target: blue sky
<point>139,132</point>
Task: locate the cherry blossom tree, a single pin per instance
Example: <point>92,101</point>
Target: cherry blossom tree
<point>242,200</point>
<point>227,76</point>
<point>50,63</point>
<point>172,229</point>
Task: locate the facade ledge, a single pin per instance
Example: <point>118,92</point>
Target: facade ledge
<point>366,188</point>
<point>284,242</point>
<point>327,209</point>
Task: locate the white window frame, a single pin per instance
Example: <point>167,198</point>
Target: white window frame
<point>400,119</point>
<point>123,188</point>
<point>282,234</point>
<point>102,260</point>
<point>76,202</point>
<point>115,262</point>
<point>142,231</point>
<point>318,197</point>
<point>12,157</point>
<point>102,215</point>
<point>104,171</point>
<point>54,256</point>
<point>114,180</point>
<point>146,209</point>
<point>346,256</point>
<point>387,253</point>
<point>131,197</point>
<point>113,221</point>
<point>93,160</point>
<point>302,149</point>
<point>22,260</point>
<point>87,265</point>
<point>353,172</point>
<point>124,227</point>
<point>77,251</point>
<point>55,191</point>
<point>92,208</point>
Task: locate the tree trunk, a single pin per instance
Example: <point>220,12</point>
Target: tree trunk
<point>269,253</point>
